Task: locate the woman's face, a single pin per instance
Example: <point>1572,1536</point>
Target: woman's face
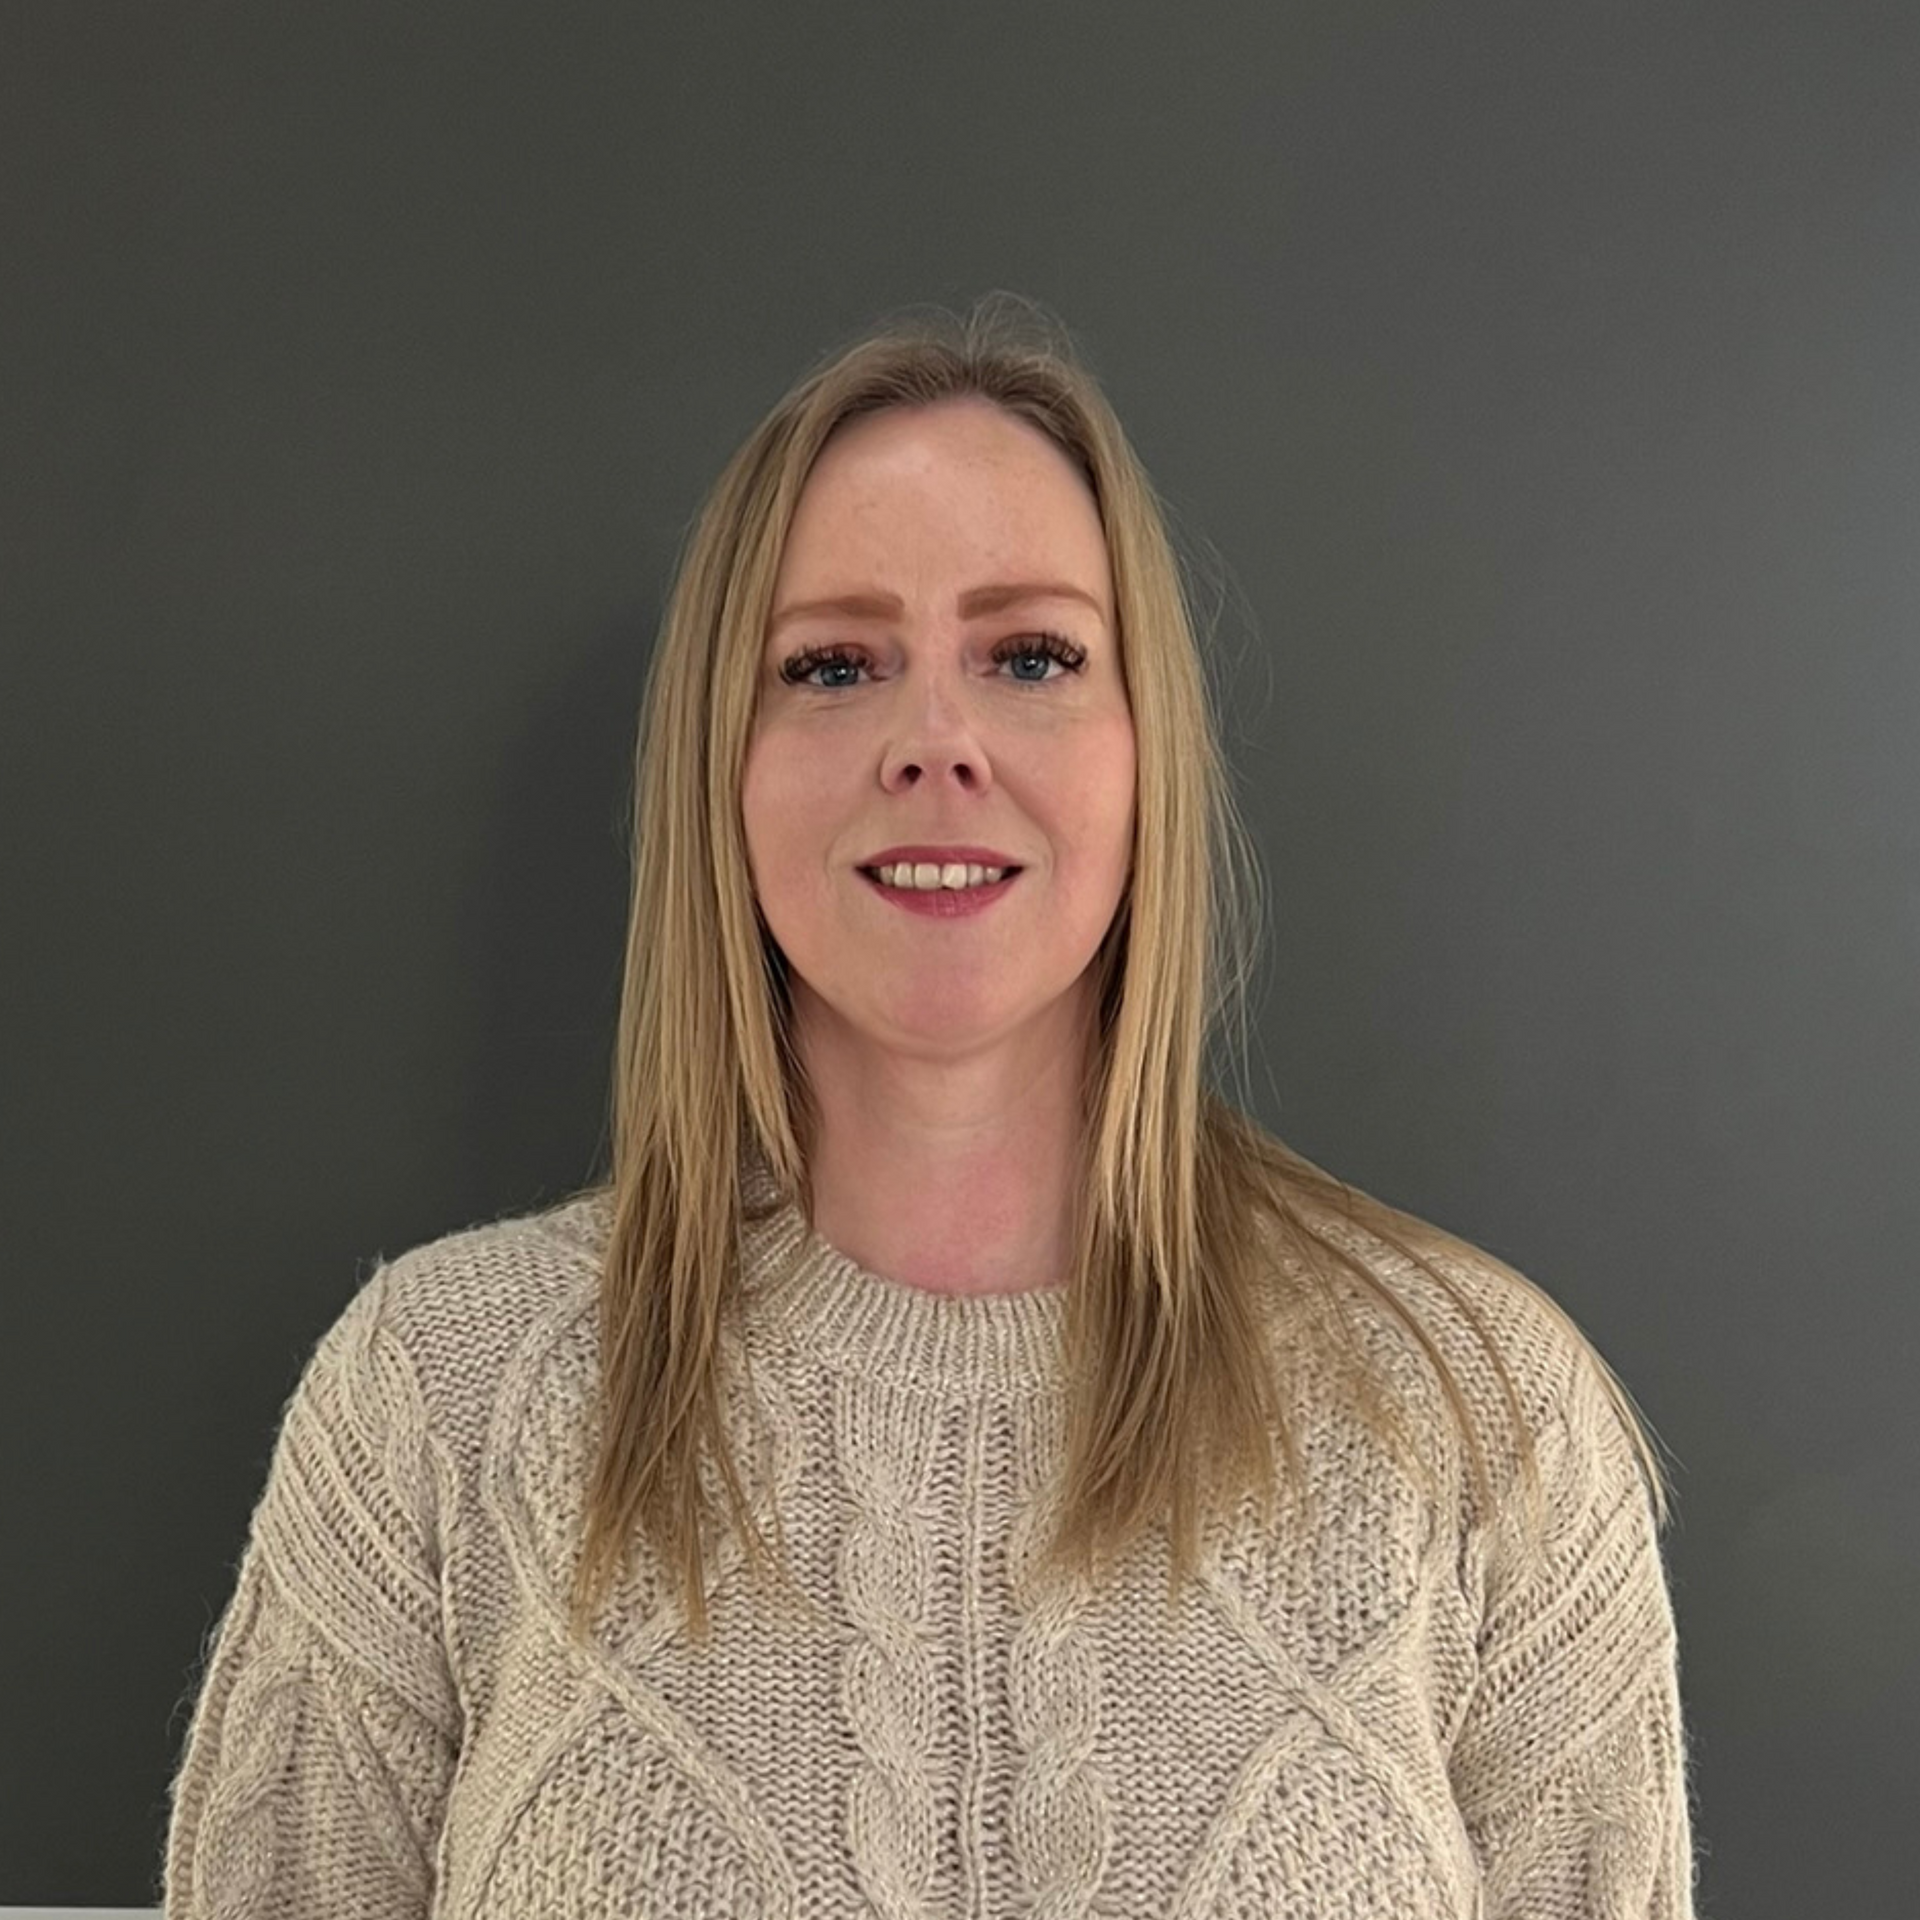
<point>940,688</point>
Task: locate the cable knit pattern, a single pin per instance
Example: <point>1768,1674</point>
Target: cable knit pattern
<point>1062,1809</point>
<point>1390,1707</point>
<point>886,1441</point>
<point>237,1846</point>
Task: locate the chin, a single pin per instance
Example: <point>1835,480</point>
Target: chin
<point>951,1026</point>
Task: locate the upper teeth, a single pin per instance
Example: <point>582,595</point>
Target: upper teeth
<point>926,876</point>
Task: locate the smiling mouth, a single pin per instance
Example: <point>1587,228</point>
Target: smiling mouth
<point>925,877</point>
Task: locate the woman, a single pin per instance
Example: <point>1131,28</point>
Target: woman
<point>957,1463</point>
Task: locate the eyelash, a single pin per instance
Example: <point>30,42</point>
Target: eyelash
<point>1050,646</point>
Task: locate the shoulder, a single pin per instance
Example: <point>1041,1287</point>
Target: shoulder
<point>1529,1379</point>
<point>1388,1265</point>
<point>381,1443</point>
<point>434,1330</point>
<point>1404,1297</point>
<point>492,1279</point>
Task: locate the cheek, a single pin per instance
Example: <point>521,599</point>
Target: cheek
<point>763,813</point>
<point>773,800</point>
<point>785,813</point>
<point>1106,783</point>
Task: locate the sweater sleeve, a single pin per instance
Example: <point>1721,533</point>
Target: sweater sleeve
<point>322,1744</point>
<point>1570,1766</point>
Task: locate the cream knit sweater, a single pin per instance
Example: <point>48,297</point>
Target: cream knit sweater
<point>1390,1714</point>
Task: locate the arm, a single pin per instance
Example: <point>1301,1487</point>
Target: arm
<point>317,1765</point>
<point>1570,1764</point>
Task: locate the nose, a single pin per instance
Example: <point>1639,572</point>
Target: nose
<point>933,742</point>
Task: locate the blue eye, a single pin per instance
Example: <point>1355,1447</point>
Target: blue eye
<point>1031,658</point>
<point>835,667</point>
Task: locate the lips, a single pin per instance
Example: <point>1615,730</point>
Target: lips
<point>944,903</point>
<point>939,857</point>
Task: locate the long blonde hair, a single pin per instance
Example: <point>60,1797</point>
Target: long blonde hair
<point>1176,1406</point>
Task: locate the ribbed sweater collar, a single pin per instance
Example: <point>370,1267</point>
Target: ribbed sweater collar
<point>803,1294</point>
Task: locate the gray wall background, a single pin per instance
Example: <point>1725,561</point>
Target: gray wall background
<point>1545,377</point>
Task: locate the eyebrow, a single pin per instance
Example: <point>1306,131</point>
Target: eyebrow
<point>974,602</point>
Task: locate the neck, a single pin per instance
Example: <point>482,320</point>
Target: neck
<point>954,1174</point>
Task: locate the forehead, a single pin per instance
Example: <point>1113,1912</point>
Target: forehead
<point>961,481</point>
